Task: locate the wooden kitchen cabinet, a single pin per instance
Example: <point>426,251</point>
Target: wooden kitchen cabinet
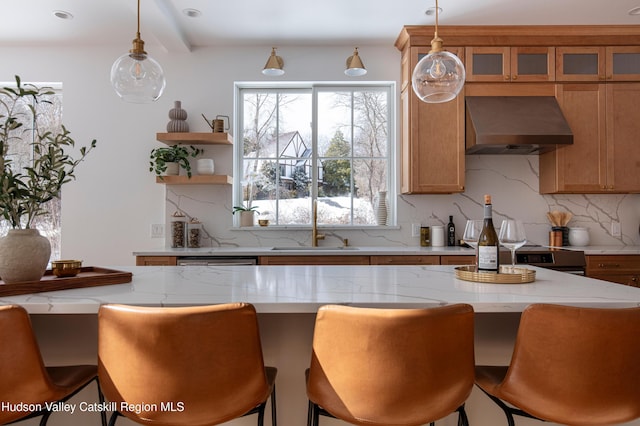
<point>156,260</point>
<point>510,64</point>
<point>604,157</point>
<point>622,269</point>
<point>604,120</point>
<point>405,260</point>
<point>432,145</point>
<point>457,260</point>
<point>598,63</point>
<point>580,63</point>
<point>423,260</point>
<point>314,260</point>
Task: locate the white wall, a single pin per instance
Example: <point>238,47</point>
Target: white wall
<point>108,211</point>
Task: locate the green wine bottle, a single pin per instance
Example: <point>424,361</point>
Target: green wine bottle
<point>488,245</point>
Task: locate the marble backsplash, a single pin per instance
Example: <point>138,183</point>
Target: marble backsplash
<point>511,180</point>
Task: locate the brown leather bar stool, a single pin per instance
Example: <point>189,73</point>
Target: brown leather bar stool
<point>391,366</point>
<point>186,366</point>
<point>570,365</point>
<point>26,384</point>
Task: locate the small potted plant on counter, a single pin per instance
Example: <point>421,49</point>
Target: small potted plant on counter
<point>246,214</point>
<point>168,160</point>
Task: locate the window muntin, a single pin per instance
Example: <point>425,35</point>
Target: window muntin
<point>328,142</point>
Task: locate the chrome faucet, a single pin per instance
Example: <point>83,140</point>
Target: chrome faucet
<point>314,233</point>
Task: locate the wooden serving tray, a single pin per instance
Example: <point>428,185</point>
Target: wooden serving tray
<point>89,276</point>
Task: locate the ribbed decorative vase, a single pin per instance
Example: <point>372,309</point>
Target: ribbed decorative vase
<point>381,208</point>
<point>178,116</point>
<point>24,255</point>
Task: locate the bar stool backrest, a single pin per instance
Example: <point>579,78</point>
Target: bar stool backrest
<point>576,365</point>
<point>203,363</point>
<point>392,366</point>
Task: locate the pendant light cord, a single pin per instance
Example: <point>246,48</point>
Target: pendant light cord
<point>139,17</point>
<point>436,34</point>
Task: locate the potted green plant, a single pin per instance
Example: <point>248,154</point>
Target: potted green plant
<point>247,214</point>
<point>161,159</point>
<point>24,189</point>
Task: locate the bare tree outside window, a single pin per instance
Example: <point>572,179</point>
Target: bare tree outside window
<point>343,160</point>
<point>49,116</point>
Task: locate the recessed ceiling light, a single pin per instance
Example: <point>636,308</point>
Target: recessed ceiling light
<point>192,13</point>
<point>62,14</point>
<point>432,11</point>
<point>635,11</point>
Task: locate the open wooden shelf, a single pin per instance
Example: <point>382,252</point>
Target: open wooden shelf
<point>195,180</point>
<point>210,138</point>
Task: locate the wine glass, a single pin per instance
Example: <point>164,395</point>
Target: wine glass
<point>512,236</point>
<point>472,231</point>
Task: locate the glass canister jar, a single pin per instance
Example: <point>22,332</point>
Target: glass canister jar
<point>194,231</point>
<point>178,230</point>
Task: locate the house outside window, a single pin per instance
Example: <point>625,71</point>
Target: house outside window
<point>300,142</point>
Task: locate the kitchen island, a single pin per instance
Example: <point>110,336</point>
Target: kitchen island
<point>287,297</point>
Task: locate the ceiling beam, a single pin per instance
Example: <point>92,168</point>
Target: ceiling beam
<point>158,20</point>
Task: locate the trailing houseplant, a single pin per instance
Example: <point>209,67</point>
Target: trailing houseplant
<point>160,158</point>
<point>25,189</point>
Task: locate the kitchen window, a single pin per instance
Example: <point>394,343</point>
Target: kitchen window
<point>49,115</point>
<point>300,142</point>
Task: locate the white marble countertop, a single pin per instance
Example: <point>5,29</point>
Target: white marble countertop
<point>354,250</point>
<point>302,289</point>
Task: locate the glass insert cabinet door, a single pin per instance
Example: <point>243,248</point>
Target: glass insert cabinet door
<point>580,63</point>
<point>612,63</point>
<point>510,64</point>
<point>623,63</point>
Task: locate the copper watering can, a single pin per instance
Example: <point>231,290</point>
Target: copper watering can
<point>217,125</point>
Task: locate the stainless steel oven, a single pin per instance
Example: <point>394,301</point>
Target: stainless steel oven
<point>216,261</point>
<point>570,261</point>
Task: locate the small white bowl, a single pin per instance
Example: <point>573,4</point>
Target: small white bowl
<point>578,237</point>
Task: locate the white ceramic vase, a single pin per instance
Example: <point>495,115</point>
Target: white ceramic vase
<point>381,208</point>
<point>24,255</point>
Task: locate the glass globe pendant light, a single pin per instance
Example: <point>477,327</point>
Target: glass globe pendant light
<point>135,76</point>
<point>439,76</point>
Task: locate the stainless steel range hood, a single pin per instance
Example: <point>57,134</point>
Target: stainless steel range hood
<point>515,125</point>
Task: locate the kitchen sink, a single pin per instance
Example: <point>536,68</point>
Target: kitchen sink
<point>307,248</point>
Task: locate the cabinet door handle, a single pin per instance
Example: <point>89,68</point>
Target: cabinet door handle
<point>608,265</point>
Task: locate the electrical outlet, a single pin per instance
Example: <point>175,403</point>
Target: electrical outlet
<point>415,229</point>
<point>615,229</point>
<point>157,230</point>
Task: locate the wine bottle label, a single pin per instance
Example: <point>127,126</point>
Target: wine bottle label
<point>488,258</point>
